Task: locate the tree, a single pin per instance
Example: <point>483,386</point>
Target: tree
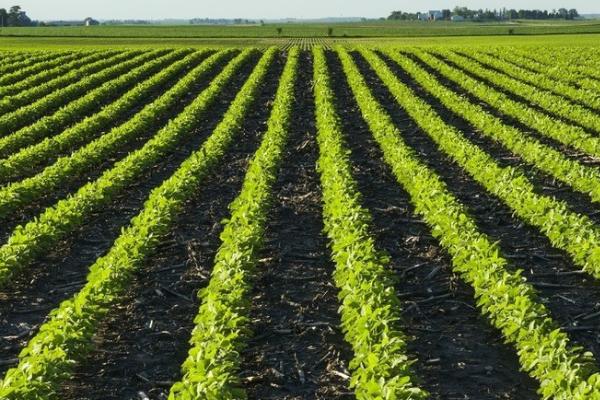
<point>17,17</point>
<point>563,12</point>
<point>573,13</point>
<point>3,17</point>
<point>400,15</point>
<point>446,14</point>
<point>279,30</point>
<point>330,31</point>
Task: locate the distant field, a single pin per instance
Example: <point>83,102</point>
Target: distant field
<point>66,43</point>
<point>351,30</point>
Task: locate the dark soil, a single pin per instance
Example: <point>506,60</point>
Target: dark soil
<point>157,92</point>
<point>572,297</point>
<point>503,73</point>
<point>519,98</point>
<point>567,151</point>
<point>140,348</point>
<point>298,351</point>
<point>459,355</point>
<point>60,103</point>
<point>544,184</point>
<point>48,199</point>
<point>62,272</point>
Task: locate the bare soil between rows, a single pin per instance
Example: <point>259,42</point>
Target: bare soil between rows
<point>458,354</point>
<point>61,272</point>
<point>298,350</point>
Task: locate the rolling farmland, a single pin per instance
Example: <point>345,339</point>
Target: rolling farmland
<point>303,221</point>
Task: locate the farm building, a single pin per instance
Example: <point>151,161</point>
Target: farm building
<point>434,15</point>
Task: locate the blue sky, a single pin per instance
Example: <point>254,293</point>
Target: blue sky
<point>146,9</point>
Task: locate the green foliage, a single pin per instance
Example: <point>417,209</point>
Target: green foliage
<point>30,240</point>
<point>370,309</point>
<point>558,130</point>
<point>581,177</point>
<point>111,69</point>
<point>563,370</point>
<point>567,230</point>
<point>555,104</point>
<point>77,109</point>
<point>36,65</point>
<point>39,85</point>
<point>571,65</point>
<point>66,336</point>
<point>68,167</point>
<point>222,323</point>
<point>535,81</point>
<point>552,68</point>
<point>13,61</point>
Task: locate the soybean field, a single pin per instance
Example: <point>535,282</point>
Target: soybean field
<point>315,220</point>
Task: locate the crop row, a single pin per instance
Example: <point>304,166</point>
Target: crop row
<point>222,323</point>
<point>27,160</point>
<point>30,113</point>
<point>549,59</point>
<point>44,77</point>
<point>370,310</point>
<point>32,239</point>
<point>74,111</point>
<point>70,167</point>
<point>549,101</point>
<point>581,177</point>
<point>36,65</point>
<point>562,132</point>
<point>555,72</point>
<point>61,341</point>
<point>579,95</point>
<point>563,370</point>
<point>13,102</point>
<point>11,61</point>
<point>567,230</point>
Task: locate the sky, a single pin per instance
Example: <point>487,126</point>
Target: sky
<point>255,9</point>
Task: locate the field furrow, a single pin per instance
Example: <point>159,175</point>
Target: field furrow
<point>11,103</point>
<point>21,117</point>
<point>34,238</point>
<point>212,366</point>
<point>550,60</point>
<point>563,370</point>
<point>322,216</point>
<point>581,177</point>
<point>559,131</point>
<point>78,109</point>
<point>380,365</point>
<point>437,305</point>
<point>554,105</point>
<point>567,230</point>
<point>53,78</point>
<point>579,96</point>
<point>68,337</point>
<point>586,85</point>
<point>24,70</point>
<point>165,287</point>
<point>96,149</point>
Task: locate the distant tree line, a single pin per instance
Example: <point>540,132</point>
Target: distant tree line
<point>222,21</point>
<point>493,15</point>
<point>15,16</point>
<point>126,22</point>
